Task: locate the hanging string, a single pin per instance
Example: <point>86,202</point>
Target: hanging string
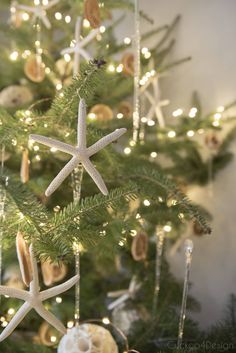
<point>77,176</point>
<point>160,235</point>
<point>137,66</point>
<point>188,260</point>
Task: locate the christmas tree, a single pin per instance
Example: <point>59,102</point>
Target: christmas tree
<point>94,179</point>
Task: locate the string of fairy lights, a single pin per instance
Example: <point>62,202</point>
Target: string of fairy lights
<point>112,68</point>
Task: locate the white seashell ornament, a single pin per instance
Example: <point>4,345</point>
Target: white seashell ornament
<point>87,338</point>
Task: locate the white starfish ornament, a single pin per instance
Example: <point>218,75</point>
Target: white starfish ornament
<point>33,300</point>
<point>153,96</point>
<point>81,153</point>
<point>39,11</point>
<point>78,48</point>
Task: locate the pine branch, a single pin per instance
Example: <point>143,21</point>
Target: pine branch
<point>157,178</point>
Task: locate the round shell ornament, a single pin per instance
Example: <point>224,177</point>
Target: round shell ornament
<point>139,247</point>
<point>102,112</point>
<point>88,338</point>
<point>128,64</point>
<point>92,13</point>
<point>53,272</point>
<point>126,109</point>
<point>34,69</point>
<point>15,96</point>
<point>45,334</point>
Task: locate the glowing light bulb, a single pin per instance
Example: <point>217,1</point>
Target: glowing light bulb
<point>102,29</point>
<point>106,321</point>
<point>111,68</point>
<point>11,311</point>
<point>171,134</point>
<point>153,154</point>
<point>119,68</point>
<point>151,123</point>
<point>127,40</point>
<point>53,339</point>
<point>146,203</point>
<point>25,16</point>
<point>58,86</point>
<point>67,19</point>
<point>193,112</point>
<point>133,232</point>
<point>121,243</point>
<point>144,119</point>
<point>92,116</point>
<point>47,70</point>
<point>167,228</point>
<point>144,50</point>
<point>67,57</point>
<point>70,324</point>
<point>59,300</point>
<point>190,133</point>
<point>120,116</point>
<point>86,23</point>
<point>58,16</point>
<point>177,112</point>
<point>14,55</point>
<point>147,55</point>
<point>217,116</point>
<point>127,150</point>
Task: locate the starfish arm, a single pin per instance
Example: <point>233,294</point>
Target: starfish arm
<point>47,141</point>
<point>106,140</point>
<point>25,8</point>
<point>45,21</point>
<point>15,321</point>
<point>50,318</point>
<point>14,292</point>
<point>34,284</point>
<point>68,50</point>
<point>62,175</point>
<point>92,171</point>
<point>61,288</point>
<point>89,37</point>
<point>81,127</point>
<point>51,3</point>
<point>160,116</point>
<point>150,98</point>
<point>84,53</point>
<point>150,113</point>
<point>77,29</point>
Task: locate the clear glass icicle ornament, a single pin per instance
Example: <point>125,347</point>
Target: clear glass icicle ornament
<point>160,235</point>
<point>2,206</point>
<point>137,68</point>
<point>188,260</point>
<point>77,176</point>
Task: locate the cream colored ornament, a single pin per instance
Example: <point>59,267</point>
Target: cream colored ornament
<point>128,64</point>
<point>92,13</point>
<point>12,277</point>
<point>88,338</point>
<point>102,112</point>
<point>45,334</point>
<point>24,171</point>
<point>125,108</point>
<point>139,247</point>
<point>15,96</point>
<point>24,259</point>
<point>34,69</point>
<point>53,272</point>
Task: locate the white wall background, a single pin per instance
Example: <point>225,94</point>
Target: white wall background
<point>207,32</point>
